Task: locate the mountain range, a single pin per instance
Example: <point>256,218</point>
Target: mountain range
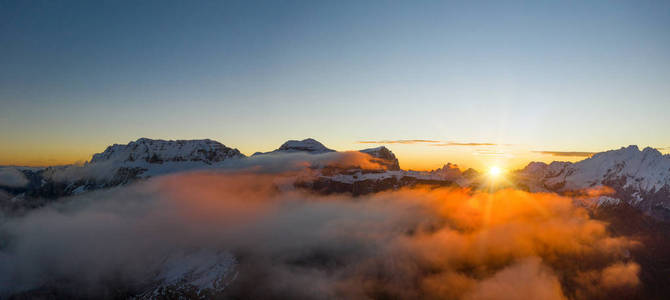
<point>629,188</point>
<point>639,178</point>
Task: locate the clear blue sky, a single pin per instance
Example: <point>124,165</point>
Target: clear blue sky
<point>76,76</point>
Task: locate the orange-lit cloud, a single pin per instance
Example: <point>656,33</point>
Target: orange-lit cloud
<point>528,278</point>
<point>590,193</point>
<point>429,235</point>
<point>414,243</point>
<point>621,277</point>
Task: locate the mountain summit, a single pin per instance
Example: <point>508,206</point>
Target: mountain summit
<point>122,164</point>
<point>309,145</point>
<point>384,157</point>
<point>158,151</point>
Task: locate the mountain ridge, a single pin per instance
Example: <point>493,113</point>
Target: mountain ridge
<point>640,178</point>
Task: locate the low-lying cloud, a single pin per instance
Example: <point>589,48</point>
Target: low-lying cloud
<point>419,243</point>
<point>11,177</point>
<point>273,163</point>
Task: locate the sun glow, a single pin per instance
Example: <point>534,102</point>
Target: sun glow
<point>495,171</point>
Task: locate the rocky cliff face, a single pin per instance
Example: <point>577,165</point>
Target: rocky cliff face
<point>384,157</point>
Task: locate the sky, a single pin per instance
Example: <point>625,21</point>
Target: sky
<point>534,78</point>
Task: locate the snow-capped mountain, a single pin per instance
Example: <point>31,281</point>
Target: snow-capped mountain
<point>122,164</point>
<point>384,157</point>
<point>640,178</point>
<point>159,151</point>
<point>144,158</point>
<point>307,145</point>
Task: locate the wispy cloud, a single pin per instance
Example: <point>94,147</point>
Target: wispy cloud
<point>496,153</point>
<point>431,142</point>
<point>567,153</point>
<point>447,144</point>
<point>12,177</point>
<point>397,141</point>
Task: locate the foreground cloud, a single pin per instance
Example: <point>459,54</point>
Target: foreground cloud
<point>526,279</point>
<point>414,243</point>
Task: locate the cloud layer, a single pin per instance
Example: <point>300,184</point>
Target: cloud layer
<point>12,177</point>
<point>414,243</point>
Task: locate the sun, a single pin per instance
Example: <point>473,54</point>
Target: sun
<point>495,171</point>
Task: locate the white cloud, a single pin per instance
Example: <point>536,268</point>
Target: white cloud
<point>12,177</point>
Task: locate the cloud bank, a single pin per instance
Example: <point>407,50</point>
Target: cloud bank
<point>439,243</point>
<point>298,162</point>
<point>12,177</point>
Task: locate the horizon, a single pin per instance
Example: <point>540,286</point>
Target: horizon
<point>481,165</point>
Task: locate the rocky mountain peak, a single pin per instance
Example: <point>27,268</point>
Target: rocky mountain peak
<point>158,151</point>
<point>387,157</point>
<point>639,178</point>
<point>308,145</point>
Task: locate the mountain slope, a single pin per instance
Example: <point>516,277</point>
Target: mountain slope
<point>159,151</point>
<point>307,145</point>
<point>640,178</point>
<point>118,165</point>
<point>384,157</point>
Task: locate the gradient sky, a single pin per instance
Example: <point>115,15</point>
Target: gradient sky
<point>584,76</point>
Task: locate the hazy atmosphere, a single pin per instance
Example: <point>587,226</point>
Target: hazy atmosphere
<point>542,76</point>
<point>459,150</point>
